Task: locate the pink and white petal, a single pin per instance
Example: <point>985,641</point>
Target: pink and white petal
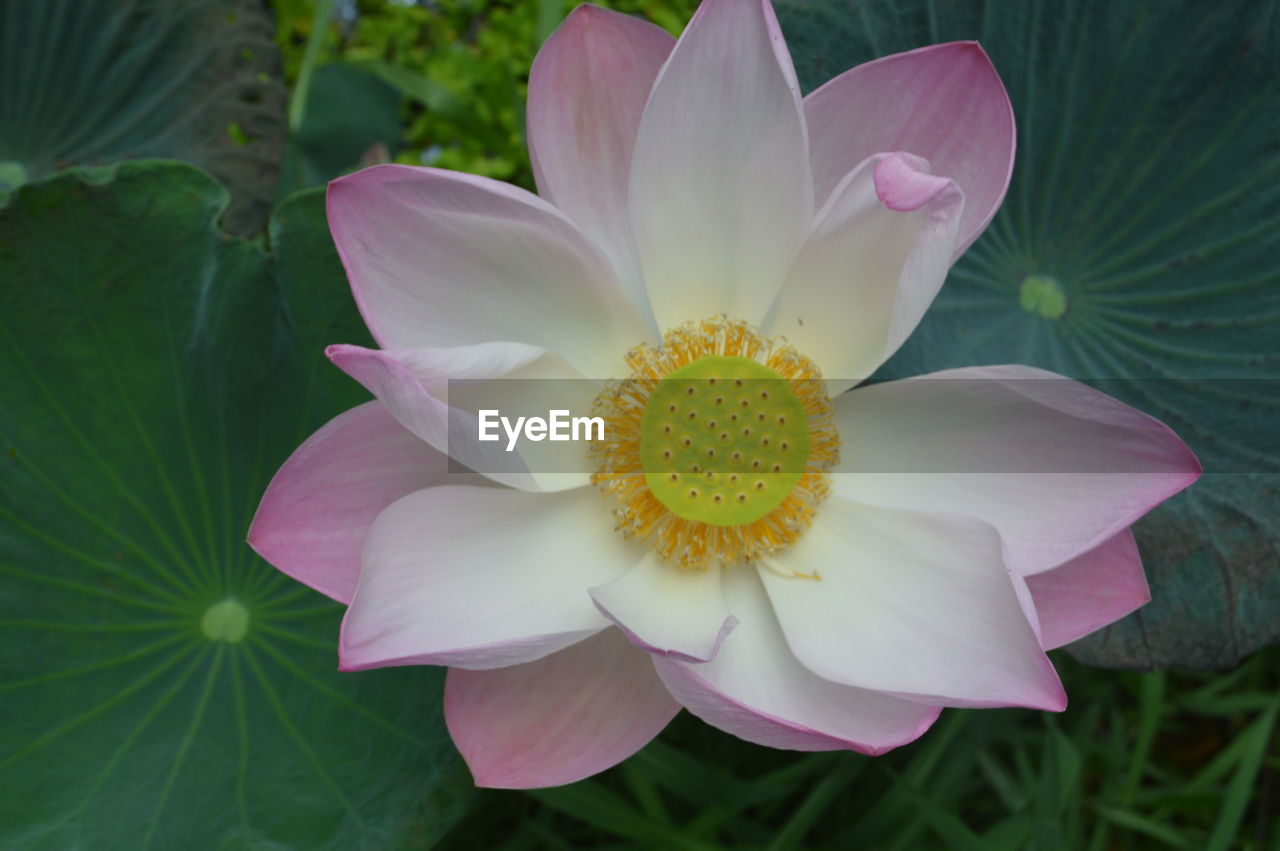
<point>757,690</point>
<point>917,605</point>
<point>944,102</point>
<point>559,719</point>
<point>439,258</point>
<point>721,194</point>
<point>1090,591</point>
<point>415,386</point>
<point>876,257</point>
<point>313,518</point>
<point>480,578</point>
<point>587,91</point>
<point>1056,466</point>
<point>668,611</point>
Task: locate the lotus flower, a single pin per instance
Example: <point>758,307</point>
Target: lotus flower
<point>698,219</point>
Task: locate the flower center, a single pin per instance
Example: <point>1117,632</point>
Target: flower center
<point>717,445</point>
<point>723,441</point>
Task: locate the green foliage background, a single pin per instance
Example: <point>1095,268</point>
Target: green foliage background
<point>122,507</point>
<point>478,50</point>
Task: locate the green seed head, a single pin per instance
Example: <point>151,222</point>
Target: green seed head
<point>723,441</point>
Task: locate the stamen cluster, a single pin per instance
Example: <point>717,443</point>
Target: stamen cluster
<point>717,446</point>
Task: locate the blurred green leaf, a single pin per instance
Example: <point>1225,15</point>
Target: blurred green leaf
<point>1149,827</point>
<point>1012,834</point>
<point>930,810</point>
<point>1256,738</point>
<point>163,687</point>
<point>349,115</point>
<point>462,66</point>
<point>96,81</point>
<point>1011,793</point>
<point>1057,821</point>
<point>437,98</point>
<point>549,14</point>
<point>594,804</point>
<point>1151,708</point>
<point>298,100</point>
<point>815,801</point>
<point>1147,188</point>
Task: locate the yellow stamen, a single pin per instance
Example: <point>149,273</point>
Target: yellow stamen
<point>717,446</point>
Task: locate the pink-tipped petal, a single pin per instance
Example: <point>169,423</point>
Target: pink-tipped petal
<point>668,611</point>
<point>918,605</point>
<point>313,519</point>
<point>439,258</point>
<point>1090,591</point>
<point>480,578</point>
<point>562,718</point>
<point>1058,467</point>
<point>945,103</point>
<point>757,690</point>
<point>876,257</point>
<point>721,194</point>
<point>587,91</point>
<point>415,386</point>
<point>904,184</point>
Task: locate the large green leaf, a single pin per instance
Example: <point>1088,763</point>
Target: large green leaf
<point>96,81</point>
<point>161,686</point>
<point>1140,241</point>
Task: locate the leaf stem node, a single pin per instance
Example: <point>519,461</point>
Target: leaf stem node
<point>226,620</point>
<point>1041,295</point>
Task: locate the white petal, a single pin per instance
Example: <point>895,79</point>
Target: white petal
<point>317,511</point>
<point>668,611</point>
<point>437,395</point>
<point>587,91</point>
<point>721,194</point>
<point>914,604</point>
<point>876,257</point>
<point>757,690</point>
<point>439,258</point>
<point>480,578</point>
<point>1056,466</point>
